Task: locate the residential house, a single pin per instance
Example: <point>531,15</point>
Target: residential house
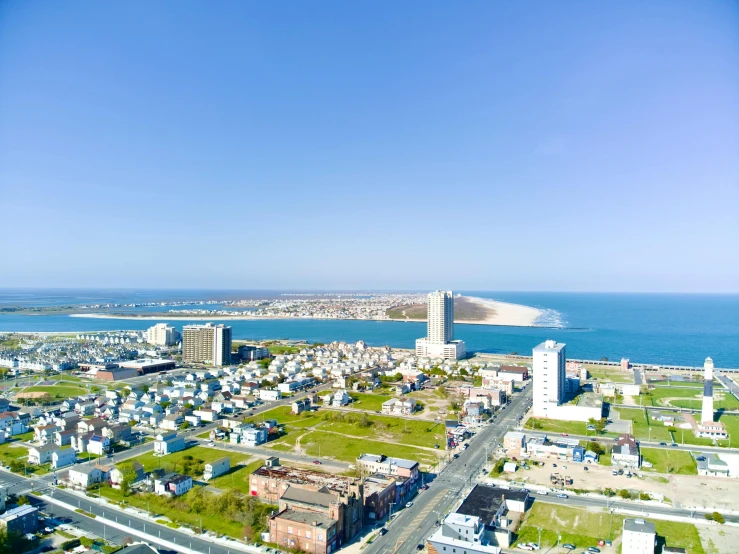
<point>92,425</point>
<point>254,436</point>
<point>216,468</point>
<point>626,452</point>
<point>98,445</point>
<point>44,433</point>
<point>13,424</point>
<point>166,443</point>
<point>173,484</point>
<point>38,455</point>
<point>397,406</point>
<point>116,475</point>
<point>62,458</point>
<point>172,422</point>
<point>63,438</point>
<point>86,475</point>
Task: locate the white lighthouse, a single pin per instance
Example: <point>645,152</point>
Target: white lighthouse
<point>707,412</point>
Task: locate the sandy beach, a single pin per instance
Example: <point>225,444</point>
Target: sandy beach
<point>505,313</point>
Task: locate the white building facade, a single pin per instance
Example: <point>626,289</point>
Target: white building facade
<point>549,377</point>
<point>162,334</point>
<point>439,341</point>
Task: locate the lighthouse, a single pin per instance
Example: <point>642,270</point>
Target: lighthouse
<point>707,412</point>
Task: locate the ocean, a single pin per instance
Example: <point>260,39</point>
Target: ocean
<point>674,329</point>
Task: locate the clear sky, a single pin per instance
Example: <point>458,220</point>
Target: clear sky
<point>361,144</point>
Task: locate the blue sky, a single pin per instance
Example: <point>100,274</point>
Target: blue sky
<point>352,145</point>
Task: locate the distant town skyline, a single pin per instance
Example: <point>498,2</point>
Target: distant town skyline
<point>529,146</point>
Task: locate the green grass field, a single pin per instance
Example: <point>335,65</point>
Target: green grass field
<point>283,416</point>
<point>669,461</point>
<point>61,392</point>
<point>555,426</point>
<point>317,443</point>
<point>640,425</point>
<point>584,528</point>
<point>174,462</point>
<point>610,375</point>
<point>690,397</point>
<point>369,402</point>
<point>391,429</point>
<point>732,427</point>
<point>237,478</point>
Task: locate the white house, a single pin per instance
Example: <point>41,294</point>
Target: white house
<point>173,484</point>
<point>166,443</point>
<point>84,476</point>
<point>63,458</point>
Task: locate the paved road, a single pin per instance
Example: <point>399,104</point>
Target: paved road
<point>21,485</point>
<point>642,443</point>
<point>413,525</point>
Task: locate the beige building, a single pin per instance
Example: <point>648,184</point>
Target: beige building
<point>207,344</point>
<point>639,537</point>
<point>439,341</point>
<point>162,334</point>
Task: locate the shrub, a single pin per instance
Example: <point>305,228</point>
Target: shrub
<point>69,545</point>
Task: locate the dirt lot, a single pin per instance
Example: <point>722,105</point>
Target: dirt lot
<point>717,539</point>
<point>684,490</point>
<point>436,406</point>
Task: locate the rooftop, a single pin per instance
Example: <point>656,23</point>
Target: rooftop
<point>439,538</point>
<point>306,478</point>
<point>639,526</point>
<point>320,497</point>
<point>308,518</point>
<point>484,501</point>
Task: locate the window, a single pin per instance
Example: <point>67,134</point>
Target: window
<point>307,534</point>
<point>289,530</point>
<point>320,537</point>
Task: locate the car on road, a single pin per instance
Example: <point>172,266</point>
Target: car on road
<point>674,444</point>
<point>425,487</point>
<point>48,530</point>
<point>663,444</point>
<point>554,465</point>
<point>568,546</point>
<point>383,531</point>
<point>317,462</point>
<point>594,549</point>
<point>565,435</point>
<point>408,504</point>
<point>562,495</point>
<point>419,547</point>
<point>585,468</point>
<point>525,546</point>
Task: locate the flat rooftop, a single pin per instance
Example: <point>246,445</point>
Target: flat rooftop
<point>484,501</point>
<point>306,477</point>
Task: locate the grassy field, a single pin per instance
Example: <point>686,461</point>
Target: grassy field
<point>584,528</point>
<point>9,451</point>
<point>317,443</point>
<point>669,461</point>
<point>640,425</point>
<point>690,397</point>
<point>732,427</point>
<point>370,402</point>
<point>608,374</point>
<point>237,477</point>
<point>283,416</point>
<point>390,429</point>
<point>554,426</point>
<point>61,392</point>
<point>175,462</point>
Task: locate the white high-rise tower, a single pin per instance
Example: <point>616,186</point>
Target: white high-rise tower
<point>439,341</point>
<point>707,411</point>
<point>550,361</point>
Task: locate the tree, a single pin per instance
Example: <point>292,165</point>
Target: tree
<point>22,500</point>
<point>364,421</point>
<point>125,487</point>
<point>718,518</point>
<point>600,424</point>
<point>184,426</point>
<point>625,494</point>
<point>463,372</point>
<point>596,447</point>
<point>166,404</point>
<point>644,496</point>
<point>609,492</point>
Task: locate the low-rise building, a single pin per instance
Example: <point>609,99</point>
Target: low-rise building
<point>626,452</point>
<point>20,520</point>
<point>639,537</point>
<point>85,475</point>
<point>166,443</point>
<point>379,496</point>
<point>216,468</point>
<point>386,465</point>
<point>397,406</point>
<point>63,458</point>
<point>173,484</point>
<point>306,531</point>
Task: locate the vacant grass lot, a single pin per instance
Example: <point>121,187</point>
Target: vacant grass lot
<point>690,397</point>
<point>607,374</point>
<point>732,427</point>
<point>283,416</point>
<point>61,392</point>
<point>554,426</point>
<point>237,477</point>
<point>175,462</point>
<point>669,461</point>
<point>385,428</point>
<point>370,402</point>
<point>641,423</point>
<point>317,443</point>
<point>584,528</point>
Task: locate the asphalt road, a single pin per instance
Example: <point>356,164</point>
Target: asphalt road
<point>413,525</point>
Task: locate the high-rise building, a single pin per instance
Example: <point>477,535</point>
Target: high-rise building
<point>439,341</point>
<point>549,377</point>
<point>206,344</point>
<point>707,411</point>
<point>162,334</point>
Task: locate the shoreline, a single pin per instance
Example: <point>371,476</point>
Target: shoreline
<point>505,315</point>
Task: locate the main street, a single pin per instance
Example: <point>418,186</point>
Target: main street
<point>413,525</point>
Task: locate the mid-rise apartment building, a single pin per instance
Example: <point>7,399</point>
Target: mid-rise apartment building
<point>162,334</point>
<point>549,377</point>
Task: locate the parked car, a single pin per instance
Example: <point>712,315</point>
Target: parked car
<point>594,549</point>
<point>419,547</point>
<point>408,504</point>
<point>316,462</point>
<point>565,435</point>
<point>568,546</point>
<point>663,444</point>
<point>383,531</point>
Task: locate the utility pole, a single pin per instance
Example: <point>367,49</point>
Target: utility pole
<point>539,543</point>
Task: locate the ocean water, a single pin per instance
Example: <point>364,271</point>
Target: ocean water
<point>678,329</point>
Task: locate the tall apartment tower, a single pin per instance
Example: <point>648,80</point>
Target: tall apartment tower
<point>162,334</point>
<point>550,363</point>
<point>707,411</point>
<point>206,344</point>
<point>439,341</point>
<point>440,308</point>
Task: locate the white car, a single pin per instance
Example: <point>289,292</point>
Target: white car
<point>409,504</point>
